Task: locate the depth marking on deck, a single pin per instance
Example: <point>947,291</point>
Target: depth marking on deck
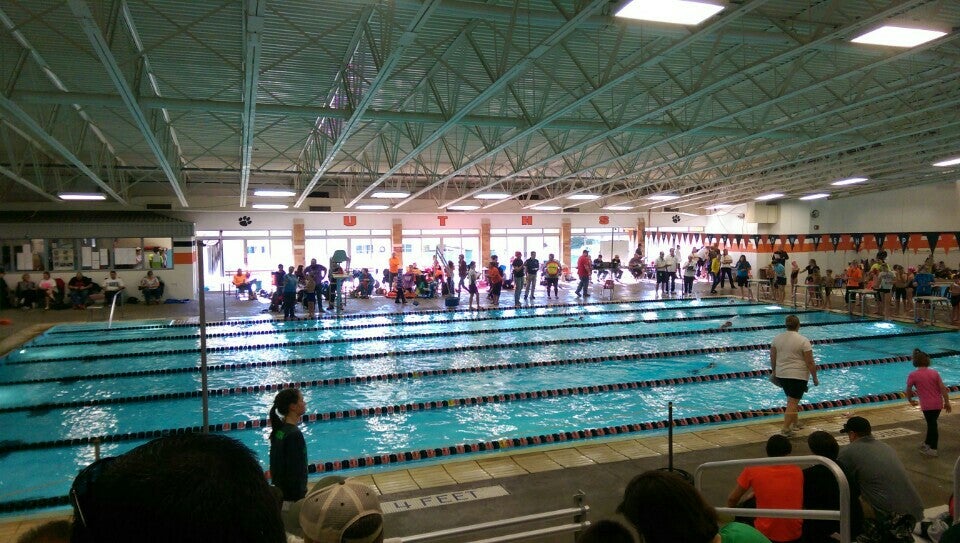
<point>881,434</point>
<point>447,498</point>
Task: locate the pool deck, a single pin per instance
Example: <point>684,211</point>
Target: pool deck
<point>547,479</point>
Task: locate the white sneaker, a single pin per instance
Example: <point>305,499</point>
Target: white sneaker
<point>797,426</point>
<point>787,432</point>
<point>927,451</point>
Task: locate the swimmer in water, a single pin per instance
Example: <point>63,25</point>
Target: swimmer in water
<point>726,325</point>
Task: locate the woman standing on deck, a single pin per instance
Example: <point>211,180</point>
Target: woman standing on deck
<point>288,450</point>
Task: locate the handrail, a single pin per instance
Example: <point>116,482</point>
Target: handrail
<point>579,514</point>
<point>956,489</point>
<point>113,305</point>
<point>843,514</point>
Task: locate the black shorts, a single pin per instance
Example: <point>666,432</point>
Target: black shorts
<point>955,300</point>
<point>552,280</point>
<point>742,281</point>
<point>781,281</point>
<point>793,388</point>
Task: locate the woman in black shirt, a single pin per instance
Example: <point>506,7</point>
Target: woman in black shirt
<point>288,450</point>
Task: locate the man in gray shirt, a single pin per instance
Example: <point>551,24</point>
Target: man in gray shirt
<point>876,474</point>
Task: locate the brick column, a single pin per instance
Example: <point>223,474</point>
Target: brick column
<point>484,243</point>
<point>396,239</point>
<point>299,242</point>
<point>565,256</point>
<point>641,235</point>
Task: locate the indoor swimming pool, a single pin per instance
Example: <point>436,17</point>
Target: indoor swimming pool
<point>390,388</point>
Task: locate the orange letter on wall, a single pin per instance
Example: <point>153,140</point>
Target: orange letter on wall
<point>604,219</point>
<point>443,220</point>
<point>349,220</point>
<point>526,220</point>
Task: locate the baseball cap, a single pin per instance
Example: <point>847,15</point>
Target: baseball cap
<point>335,505</point>
<point>859,425</point>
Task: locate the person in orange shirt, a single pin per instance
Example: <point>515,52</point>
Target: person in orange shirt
<point>774,487</point>
<point>394,265</point>
<point>854,279</point>
<point>242,284</point>
<point>495,278</point>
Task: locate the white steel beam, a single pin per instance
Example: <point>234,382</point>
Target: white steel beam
<point>253,22</point>
<point>38,133</point>
<point>510,75</point>
<point>383,75</point>
<point>82,12</point>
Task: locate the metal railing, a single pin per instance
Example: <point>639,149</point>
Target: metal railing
<point>842,515</point>
<point>579,522</point>
<point>956,490</point>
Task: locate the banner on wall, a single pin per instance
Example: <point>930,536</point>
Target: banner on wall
<point>756,241</point>
<point>835,240</point>
<point>739,239</point>
<point>792,238</point>
<point>857,241</point>
<point>880,239</point>
<point>904,239</point>
<point>726,240</point>
<point>816,238</point>
<point>932,239</point>
<point>772,240</point>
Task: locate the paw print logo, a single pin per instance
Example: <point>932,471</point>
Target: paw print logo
<point>245,221</point>
<point>676,219</point>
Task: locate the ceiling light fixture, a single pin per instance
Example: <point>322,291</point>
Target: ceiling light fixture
<point>948,162</point>
<point>680,12</point>
<point>273,193</point>
<point>545,208</point>
<point>817,196</point>
<point>89,196</point>
<point>270,206</point>
<point>719,206</point>
<point>662,197</point>
<point>585,197</point>
<point>898,36</point>
<point>850,181</point>
<point>771,196</point>
<point>390,194</point>
<point>492,196</point>
<point>463,207</point>
<point>371,207</point>
<point>618,207</point>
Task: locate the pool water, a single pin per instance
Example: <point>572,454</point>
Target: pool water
<point>420,385</point>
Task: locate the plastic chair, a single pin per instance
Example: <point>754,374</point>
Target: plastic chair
<point>607,290</point>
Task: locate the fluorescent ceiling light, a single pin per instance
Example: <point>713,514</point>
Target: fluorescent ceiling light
<point>270,206</point>
<point>719,206</point>
<point>850,181</point>
<point>463,207</point>
<point>681,12</point>
<point>582,197</point>
<point>899,36</point>
<point>390,195</point>
<point>81,196</point>
<point>492,196</point>
<point>771,196</point>
<point>274,193</point>
<point>817,196</point>
<point>662,197</point>
<point>371,207</point>
<point>545,207</point>
<point>949,162</point>
<point>618,208</point>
